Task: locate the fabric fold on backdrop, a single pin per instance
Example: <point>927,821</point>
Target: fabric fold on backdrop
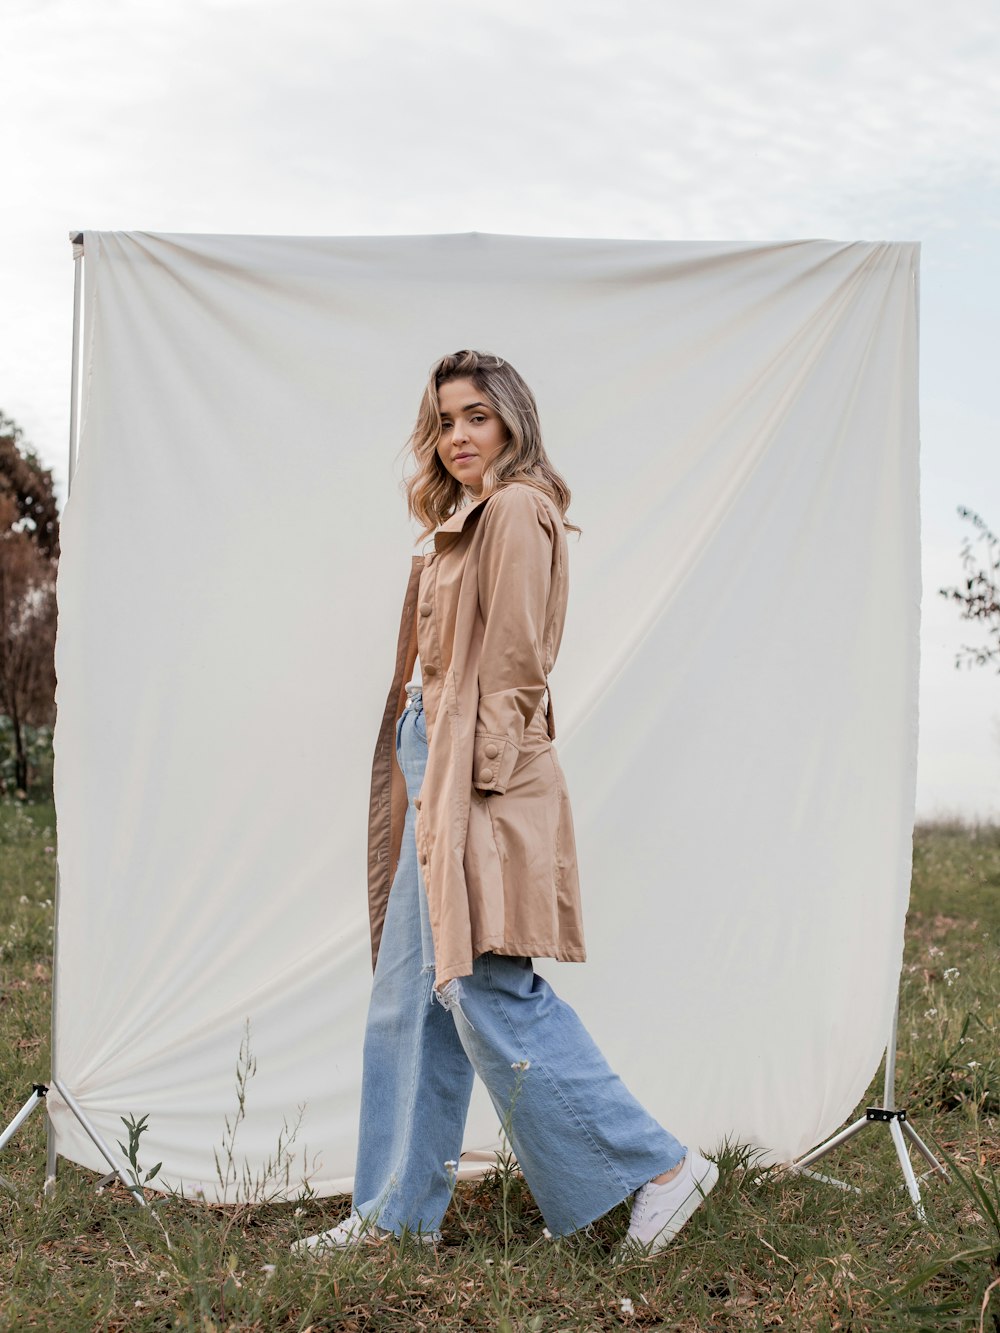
<point>736,688</point>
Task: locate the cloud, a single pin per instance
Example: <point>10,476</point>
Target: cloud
<point>643,118</point>
<point>451,116</point>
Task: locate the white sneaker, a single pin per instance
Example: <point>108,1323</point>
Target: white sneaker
<point>354,1230</point>
<point>659,1211</point>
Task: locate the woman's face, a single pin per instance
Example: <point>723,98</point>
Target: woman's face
<point>472,433</point>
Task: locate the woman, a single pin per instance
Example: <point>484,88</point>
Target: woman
<point>472,860</point>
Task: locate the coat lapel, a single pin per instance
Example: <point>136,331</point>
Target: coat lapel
<point>451,529</point>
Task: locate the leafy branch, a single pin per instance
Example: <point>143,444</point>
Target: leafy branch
<point>979,595</point>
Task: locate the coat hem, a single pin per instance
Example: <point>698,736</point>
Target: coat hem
<point>463,968</point>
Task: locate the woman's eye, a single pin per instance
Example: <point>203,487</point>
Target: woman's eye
<point>476,420</point>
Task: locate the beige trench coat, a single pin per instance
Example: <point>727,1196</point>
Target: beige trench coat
<point>494,829</point>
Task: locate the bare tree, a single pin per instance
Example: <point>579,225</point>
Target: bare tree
<point>979,595</point>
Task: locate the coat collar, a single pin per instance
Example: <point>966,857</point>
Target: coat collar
<point>451,529</point>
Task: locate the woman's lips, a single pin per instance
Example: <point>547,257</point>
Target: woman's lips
<point>459,458</point>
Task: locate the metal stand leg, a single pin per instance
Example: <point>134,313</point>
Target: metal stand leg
<point>51,1157</point>
<point>802,1166</point>
<point>835,1142</point>
<point>76,239</point>
<point>923,1149</point>
<point>907,1165</point>
<point>114,1162</point>
<point>36,1099</point>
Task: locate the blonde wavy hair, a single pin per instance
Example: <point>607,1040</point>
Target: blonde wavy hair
<point>432,493</point>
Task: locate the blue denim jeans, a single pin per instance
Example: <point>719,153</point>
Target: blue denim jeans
<point>581,1139</point>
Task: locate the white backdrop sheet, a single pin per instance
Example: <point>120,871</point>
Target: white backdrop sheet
<point>736,697</point>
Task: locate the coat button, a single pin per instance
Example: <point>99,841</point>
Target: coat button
<point>491,751</point>
<point>425,609</point>
<point>430,670</point>
<point>486,775</point>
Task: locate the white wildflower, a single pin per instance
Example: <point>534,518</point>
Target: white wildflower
<point>950,974</point>
<point>267,1269</point>
<point>973,1064</point>
<point>546,1233</point>
<point>930,1013</point>
<point>626,1306</point>
<point>521,1065</point>
<point>934,952</point>
<point>298,1212</point>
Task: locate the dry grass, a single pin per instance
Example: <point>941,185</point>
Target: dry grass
<point>770,1251</point>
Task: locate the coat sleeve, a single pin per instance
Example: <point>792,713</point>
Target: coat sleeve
<point>515,576</point>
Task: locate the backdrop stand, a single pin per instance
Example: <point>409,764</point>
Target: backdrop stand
<point>76,239</point>
<point>887,1114</point>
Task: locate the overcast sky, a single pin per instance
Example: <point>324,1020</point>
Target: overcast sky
<point>760,120</point>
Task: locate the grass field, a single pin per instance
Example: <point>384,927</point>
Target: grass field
<point>769,1251</point>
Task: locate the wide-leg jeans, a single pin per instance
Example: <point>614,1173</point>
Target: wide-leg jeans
<point>583,1142</point>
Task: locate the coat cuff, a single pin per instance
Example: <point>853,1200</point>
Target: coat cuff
<point>493,762</point>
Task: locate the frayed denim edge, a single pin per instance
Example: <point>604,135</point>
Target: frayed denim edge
<point>451,995</point>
